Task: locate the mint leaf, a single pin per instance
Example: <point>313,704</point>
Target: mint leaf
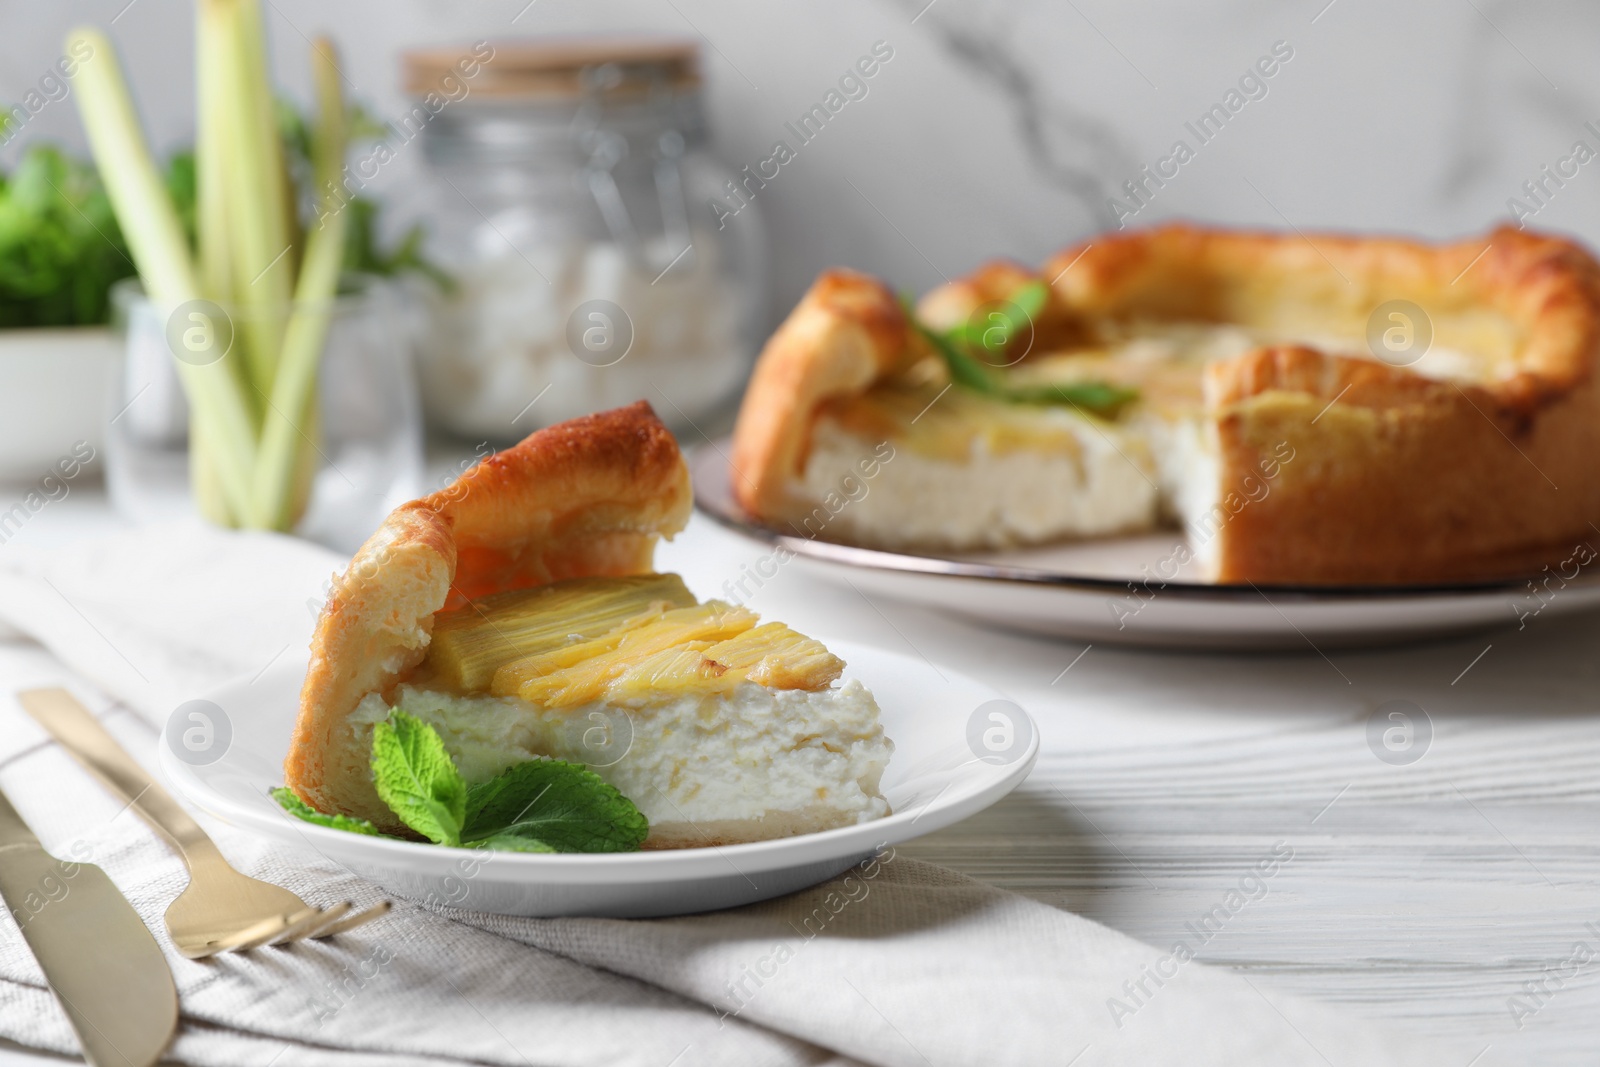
<point>301,810</point>
<point>1102,398</point>
<point>564,806</point>
<point>1031,299</point>
<point>1000,324</point>
<point>968,371</point>
<point>1092,395</point>
<point>536,806</point>
<point>513,843</point>
<point>416,777</point>
<point>964,369</point>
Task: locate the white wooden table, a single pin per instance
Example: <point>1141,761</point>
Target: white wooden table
<point>1430,894</point>
<point>1427,893</point>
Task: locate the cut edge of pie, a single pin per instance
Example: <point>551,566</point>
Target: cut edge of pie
<point>1394,475</point>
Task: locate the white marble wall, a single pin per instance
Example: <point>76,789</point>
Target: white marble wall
<point>1004,127</point>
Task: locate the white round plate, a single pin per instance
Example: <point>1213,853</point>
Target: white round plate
<point>1112,589</point>
<point>934,779</point>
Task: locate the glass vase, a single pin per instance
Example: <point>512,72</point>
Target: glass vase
<point>365,450</point>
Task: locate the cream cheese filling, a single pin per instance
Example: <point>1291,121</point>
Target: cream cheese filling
<point>970,473</point>
<point>749,754</point>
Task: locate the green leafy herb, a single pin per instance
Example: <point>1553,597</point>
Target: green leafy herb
<point>1102,398</point>
<point>1004,321</point>
<point>1031,299</point>
<point>60,246</point>
<point>542,805</point>
<point>183,185</point>
<point>965,370</point>
<point>956,349</point>
<point>301,810</point>
<point>416,777</point>
<point>562,806</point>
<point>362,254</point>
<point>513,843</point>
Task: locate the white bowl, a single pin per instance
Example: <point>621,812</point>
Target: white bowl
<point>55,383</point>
<point>934,779</point>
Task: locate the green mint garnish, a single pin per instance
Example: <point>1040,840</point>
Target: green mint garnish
<point>1003,323</point>
<point>563,806</point>
<point>956,347</point>
<point>417,778</point>
<point>513,843</point>
<point>301,810</point>
<point>542,805</point>
<point>1102,398</point>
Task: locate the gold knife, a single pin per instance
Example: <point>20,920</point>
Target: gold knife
<point>100,961</point>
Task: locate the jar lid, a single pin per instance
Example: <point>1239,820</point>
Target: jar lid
<point>556,66</point>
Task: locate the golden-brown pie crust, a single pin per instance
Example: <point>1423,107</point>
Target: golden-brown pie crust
<point>587,497</point>
<point>846,333</point>
<point>1396,477</point>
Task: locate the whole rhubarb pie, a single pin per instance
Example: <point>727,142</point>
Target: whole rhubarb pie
<point>517,614</point>
<point>1312,409</point>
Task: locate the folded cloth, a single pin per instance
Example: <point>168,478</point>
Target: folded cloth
<point>895,963</point>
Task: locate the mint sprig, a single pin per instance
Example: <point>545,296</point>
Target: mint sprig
<point>301,810</point>
<point>513,843</point>
<point>562,805</point>
<point>1099,397</point>
<point>416,777</point>
<point>542,805</point>
<point>956,346</point>
<point>1013,316</point>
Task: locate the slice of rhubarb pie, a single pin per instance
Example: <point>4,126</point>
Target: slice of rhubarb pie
<point>517,613</point>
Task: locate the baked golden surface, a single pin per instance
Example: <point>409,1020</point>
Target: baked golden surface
<point>1474,462</point>
<point>587,497</point>
<point>518,608</point>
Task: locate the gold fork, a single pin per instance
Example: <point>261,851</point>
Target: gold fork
<point>220,910</point>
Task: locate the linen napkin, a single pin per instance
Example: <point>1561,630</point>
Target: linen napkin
<point>895,963</point>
